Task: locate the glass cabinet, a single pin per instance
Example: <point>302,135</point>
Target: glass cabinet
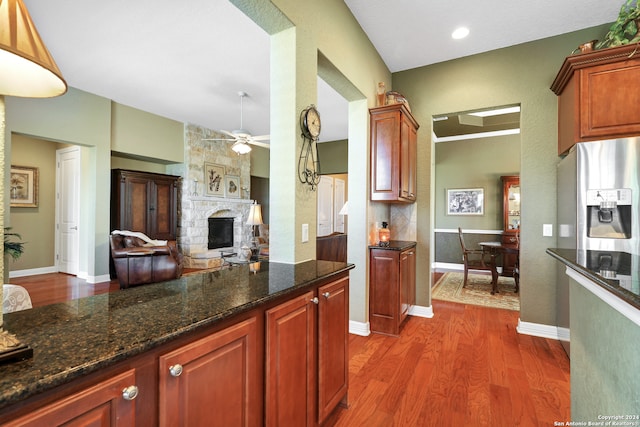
<point>511,222</point>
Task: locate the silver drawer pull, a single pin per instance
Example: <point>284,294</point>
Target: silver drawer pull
<point>326,295</point>
<point>130,392</point>
<point>315,300</point>
<point>175,370</point>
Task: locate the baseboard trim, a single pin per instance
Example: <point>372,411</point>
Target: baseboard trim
<point>359,328</point>
<point>33,271</point>
<point>421,311</point>
<point>543,331</point>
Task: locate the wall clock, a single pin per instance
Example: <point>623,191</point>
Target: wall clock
<point>309,163</point>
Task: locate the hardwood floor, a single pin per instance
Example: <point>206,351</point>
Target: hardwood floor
<point>45,289</point>
<point>467,366</point>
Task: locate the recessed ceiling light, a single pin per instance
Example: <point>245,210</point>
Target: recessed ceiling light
<point>460,33</point>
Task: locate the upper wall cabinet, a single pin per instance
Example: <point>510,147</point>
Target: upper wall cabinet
<point>598,96</point>
<point>394,137</point>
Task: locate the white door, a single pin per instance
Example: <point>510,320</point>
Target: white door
<point>325,206</point>
<point>67,209</point>
<point>338,203</point>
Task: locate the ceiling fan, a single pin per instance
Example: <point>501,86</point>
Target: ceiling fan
<point>242,137</point>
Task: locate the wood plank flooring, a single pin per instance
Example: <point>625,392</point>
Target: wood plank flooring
<point>467,366</point>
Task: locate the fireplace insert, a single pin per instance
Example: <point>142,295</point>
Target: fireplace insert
<point>220,233</point>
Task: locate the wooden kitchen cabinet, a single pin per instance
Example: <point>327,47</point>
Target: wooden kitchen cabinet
<point>214,381</point>
<point>307,356</point>
<point>333,346</point>
<point>145,202</point>
<point>290,362</point>
<point>102,404</point>
<point>391,288</point>
<point>394,140</point>
<point>597,96</point>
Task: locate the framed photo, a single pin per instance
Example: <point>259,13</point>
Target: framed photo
<point>232,186</point>
<point>465,201</point>
<point>214,180</point>
<point>23,189</point>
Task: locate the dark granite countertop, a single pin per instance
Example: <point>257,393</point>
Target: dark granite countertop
<point>395,245</point>
<point>81,336</point>
<point>614,271</point>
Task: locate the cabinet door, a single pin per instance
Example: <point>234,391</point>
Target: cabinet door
<point>607,107</point>
<point>333,346</point>
<point>385,151</point>
<point>407,282</point>
<point>134,199</point>
<point>290,363</point>
<point>325,206</point>
<point>100,405</point>
<point>219,380</point>
<point>384,299</point>
<point>408,161</point>
<point>163,209</point>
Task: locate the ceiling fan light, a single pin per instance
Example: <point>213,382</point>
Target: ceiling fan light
<point>241,147</point>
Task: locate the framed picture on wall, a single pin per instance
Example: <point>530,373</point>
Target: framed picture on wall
<point>465,201</point>
<point>23,187</point>
<point>232,186</point>
<point>214,179</point>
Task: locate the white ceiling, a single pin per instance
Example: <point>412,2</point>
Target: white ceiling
<point>187,60</point>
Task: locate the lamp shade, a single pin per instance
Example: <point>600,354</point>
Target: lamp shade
<point>255,214</point>
<point>27,68</point>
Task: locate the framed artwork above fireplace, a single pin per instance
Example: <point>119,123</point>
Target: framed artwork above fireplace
<point>214,180</point>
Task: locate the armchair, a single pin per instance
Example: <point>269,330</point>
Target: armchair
<point>137,262</point>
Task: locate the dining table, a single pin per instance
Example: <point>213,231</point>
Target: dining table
<point>496,249</point>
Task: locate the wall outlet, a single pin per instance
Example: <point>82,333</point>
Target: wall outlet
<point>305,233</point>
<point>547,230</point>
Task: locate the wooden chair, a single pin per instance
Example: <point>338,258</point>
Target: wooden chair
<point>474,259</point>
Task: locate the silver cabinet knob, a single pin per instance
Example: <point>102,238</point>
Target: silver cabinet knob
<point>175,370</point>
<point>326,295</point>
<point>130,392</point>
<point>315,300</point>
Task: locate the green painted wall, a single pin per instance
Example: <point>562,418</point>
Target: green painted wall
<point>522,75</point>
<point>36,226</point>
<point>475,163</point>
<point>605,364</point>
<point>139,133</point>
<point>334,157</point>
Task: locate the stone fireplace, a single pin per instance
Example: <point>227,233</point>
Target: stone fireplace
<point>197,206</point>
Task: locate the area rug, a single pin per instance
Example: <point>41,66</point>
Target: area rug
<point>477,291</point>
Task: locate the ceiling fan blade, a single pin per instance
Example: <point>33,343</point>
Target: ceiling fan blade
<point>218,139</point>
<point>232,135</point>
<point>261,137</point>
<point>259,144</point>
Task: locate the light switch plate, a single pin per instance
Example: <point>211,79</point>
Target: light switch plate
<point>547,230</point>
<point>305,233</point>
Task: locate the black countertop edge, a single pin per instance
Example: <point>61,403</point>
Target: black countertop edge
<point>109,328</point>
<point>395,245</point>
<point>579,260</point>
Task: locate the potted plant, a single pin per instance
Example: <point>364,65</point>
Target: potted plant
<point>12,248</point>
<point>626,29</point>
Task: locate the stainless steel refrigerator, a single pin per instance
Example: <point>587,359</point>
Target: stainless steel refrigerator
<point>598,199</point>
